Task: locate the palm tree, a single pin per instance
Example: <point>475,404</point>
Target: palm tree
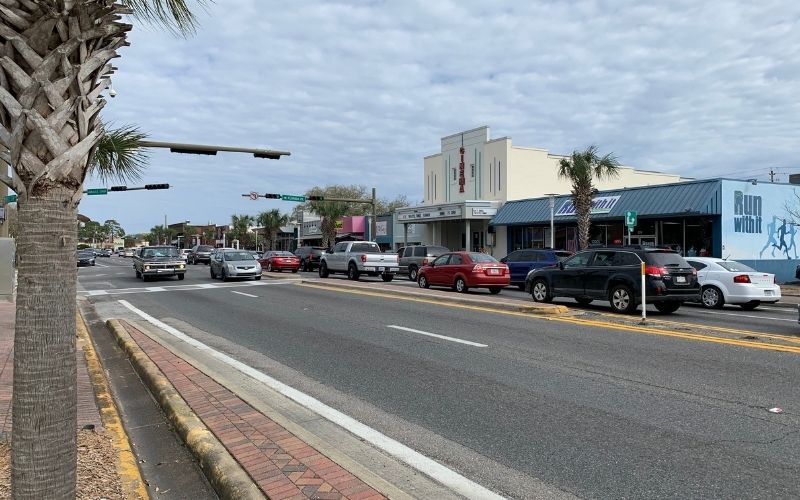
<point>332,211</point>
<point>271,222</point>
<point>241,229</point>
<point>581,169</point>
<point>55,67</point>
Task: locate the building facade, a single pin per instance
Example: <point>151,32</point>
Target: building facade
<point>473,176</point>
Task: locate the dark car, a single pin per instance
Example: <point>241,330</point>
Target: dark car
<point>412,258</point>
<point>158,261</point>
<point>464,270</point>
<point>614,274</point>
<point>521,262</point>
<point>309,257</point>
<point>85,257</point>
<point>201,253</point>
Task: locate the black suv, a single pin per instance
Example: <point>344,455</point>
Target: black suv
<point>309,257</point>
<point>614,274</point>
<point>201,253</point>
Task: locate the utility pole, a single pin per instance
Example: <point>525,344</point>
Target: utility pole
<point>374,225</point>
<point>772,175</point>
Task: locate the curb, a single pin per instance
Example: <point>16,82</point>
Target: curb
<point>223,472</point>
<point>532,309</point>
<point>127,467</point>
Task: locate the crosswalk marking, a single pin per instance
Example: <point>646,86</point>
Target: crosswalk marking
<point>182,288</point>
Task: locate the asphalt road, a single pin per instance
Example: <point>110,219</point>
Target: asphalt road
<point>596,412</point>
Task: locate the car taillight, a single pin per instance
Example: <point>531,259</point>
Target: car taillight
<point>424,262</point>
<point>655,271</point>
<point>742,278</point>
<point>363,258</point>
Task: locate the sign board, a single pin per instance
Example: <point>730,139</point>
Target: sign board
<point>293,197</point>
<point>96,191</point>
<point>381,228</point>
<point>600,205</point>
<point>630,218</point>
<point>484,211</point>
<point>253,195</point>
<point>448,212</point>
<point>11,198</point>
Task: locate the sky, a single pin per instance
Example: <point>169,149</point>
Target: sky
<point>361,91</point>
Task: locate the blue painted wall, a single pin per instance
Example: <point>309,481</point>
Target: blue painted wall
<point>782,269</point>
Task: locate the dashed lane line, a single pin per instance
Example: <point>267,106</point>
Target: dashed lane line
<point>436,335</point>
<point>245,294</point>
<point>181,288</point>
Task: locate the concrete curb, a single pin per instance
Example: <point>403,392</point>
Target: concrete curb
<point>532,308</point>
<point>224,473</point>
<point>128,469</point>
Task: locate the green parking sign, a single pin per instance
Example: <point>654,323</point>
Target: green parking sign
<point>630,219</point>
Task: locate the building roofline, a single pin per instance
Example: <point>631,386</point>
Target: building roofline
<point>465,132</point>
<point>504,138</point>
<point>543,150</point>
<point>431,156</point>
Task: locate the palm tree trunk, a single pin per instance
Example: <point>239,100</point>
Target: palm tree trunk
<point>44,415</point>
<point>583,210</point>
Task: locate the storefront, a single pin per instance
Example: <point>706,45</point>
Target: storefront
<point>742,220</point>
<point>457,226</point>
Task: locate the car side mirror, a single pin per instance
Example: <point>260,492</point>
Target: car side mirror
<point>432,264</point>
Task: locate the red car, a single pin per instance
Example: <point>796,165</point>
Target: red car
<point>465,270</point>
<point>278,261</point>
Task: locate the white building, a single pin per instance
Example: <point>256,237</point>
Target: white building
<point>474,175</point>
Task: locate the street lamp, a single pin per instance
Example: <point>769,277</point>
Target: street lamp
<point>552,219</point>
<point>205,149</point>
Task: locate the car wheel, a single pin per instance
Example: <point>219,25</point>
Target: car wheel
<point>423,282</point>
<point>667,307</point>
<point>294,270</point>
<point>258,278</point>
<point>323,270</point>
<point>269,267</point>
<point>749,306</point>
<point>584,301</point>
<point>461,285</point>
<point>303,266</point>
<point>621,298</point>
<point>145,278</point>
<point>412,273</point>
<point>711,297</point>
<point>213,276</point>
<point>494,290</point>
<point>352,272</point>
<point>387,277</point>
<point>181,277</point>
<point>540,291</point>
<point>224,274</point>
<point>138,275</point>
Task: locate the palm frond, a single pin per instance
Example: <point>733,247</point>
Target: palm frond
<point>119,156</point>
<point>174,15</point>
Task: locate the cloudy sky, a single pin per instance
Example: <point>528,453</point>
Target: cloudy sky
<point>360,91</point>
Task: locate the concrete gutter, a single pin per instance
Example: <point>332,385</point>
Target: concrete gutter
<point>532,308</point>
<point>224,473</point>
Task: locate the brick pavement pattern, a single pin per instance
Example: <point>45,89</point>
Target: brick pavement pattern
<point>88,414</point>
<point>281,464</point>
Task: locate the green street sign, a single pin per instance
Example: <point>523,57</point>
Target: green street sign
<point>630,218</point>
<point>11,198</point>
<point>95,191</point>
<point>293,197</point>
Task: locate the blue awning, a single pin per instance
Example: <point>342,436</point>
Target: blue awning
<point>680,199</point>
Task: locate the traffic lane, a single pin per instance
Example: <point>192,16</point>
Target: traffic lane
<point>563,403</point>
<point>121,275</point>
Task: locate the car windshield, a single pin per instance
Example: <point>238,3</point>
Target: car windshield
<point>481,257</point>
<point>85,253</point>
<point>666,259</point>
<point>150,253</point>
<point>283,254</point>
<point>735,267</point>
<point>365,247</point>
<point>204,248</point>
<point>236,256</point>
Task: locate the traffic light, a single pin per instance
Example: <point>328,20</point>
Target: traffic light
<point>118,188</point>
<point>315,198</point>
<point>273,196</point>
<point>156,186</point>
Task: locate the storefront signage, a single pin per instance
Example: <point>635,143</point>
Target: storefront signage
<point>381,228</point>
<point>430,214</point>
<point>484,211</point>
<point>461,180</point>
<point>746,213</point>
<point>600,205</point>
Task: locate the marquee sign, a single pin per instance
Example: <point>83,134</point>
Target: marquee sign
<point>600,205</point>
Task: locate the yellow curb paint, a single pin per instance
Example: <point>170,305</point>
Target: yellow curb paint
<point>578,321</point>
<point>128,469</point>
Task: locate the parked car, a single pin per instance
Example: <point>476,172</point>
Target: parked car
<point>730,282</point>
<point>412,258</point>
<point>277,260</point>
<point>85,257</point>
<point>464,270</point>
<point>129,252</point>
<point>614,274</point>
<point>357,257</point>
<point>229,263</point>
<point>257,255</point>
<point>104,252</point>
<point>521,262</point>
<point>158,260</point>
<point>309,257</point>
<point>120,252</point>
<point>201,253</point>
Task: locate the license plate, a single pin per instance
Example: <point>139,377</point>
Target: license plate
<point>769,293</point>
<point>680,279</point>
<point>494,271</point>
<point>380,268</point>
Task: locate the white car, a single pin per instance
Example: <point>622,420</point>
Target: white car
<point>185,253</point>
<point>730,282</point>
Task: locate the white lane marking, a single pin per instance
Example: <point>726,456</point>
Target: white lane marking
<point>443,337</point>
<point>96,292</point>
<point>190,287</point>
<point>750,316</point>
<point>101,265</point>
<point>98,275</point>
<point>206,285</point>
<point>245,294</point>
<point>156,289</point>
<point>432,468</point>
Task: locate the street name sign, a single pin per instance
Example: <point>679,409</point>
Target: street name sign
<point>11,198</point>
<point>293,197</point>
<point>96,191</point>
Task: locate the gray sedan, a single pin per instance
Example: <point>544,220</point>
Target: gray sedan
<point>229,263</point>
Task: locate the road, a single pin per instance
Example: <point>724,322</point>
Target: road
<point>507,400</point>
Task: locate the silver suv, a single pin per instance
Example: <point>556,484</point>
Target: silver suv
<point>413,258</point>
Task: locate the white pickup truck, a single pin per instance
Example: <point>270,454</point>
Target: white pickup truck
<point>357,257</point>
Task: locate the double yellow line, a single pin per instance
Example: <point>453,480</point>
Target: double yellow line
<point>752,344</point>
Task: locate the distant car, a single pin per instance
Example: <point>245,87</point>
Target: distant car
<point>105,252</point>
<point>129,252</point>
<point>730,282</point>
<point>464,270</point>
<point>309,257</point>
<point>85,257</point>
<point>229,263</point>
<point>414,257</point>
<point>120,252</point>
<point>279,260</point>
<point>521,262</point>
<point>186,253</point>
<point>201,253</point>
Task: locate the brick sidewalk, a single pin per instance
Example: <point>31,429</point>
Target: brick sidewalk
<point>88,414</point>
<point>282,465</point>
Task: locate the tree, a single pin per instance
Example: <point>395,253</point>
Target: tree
<point>240,229</point>
<point>92,231</point>
<point>159,235</point>
<point>113,230</point>
<point>581,169</point>
<point>386,206</point>
<point>271,222</point>
<point>332,211</point>
<point>210,236</point>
